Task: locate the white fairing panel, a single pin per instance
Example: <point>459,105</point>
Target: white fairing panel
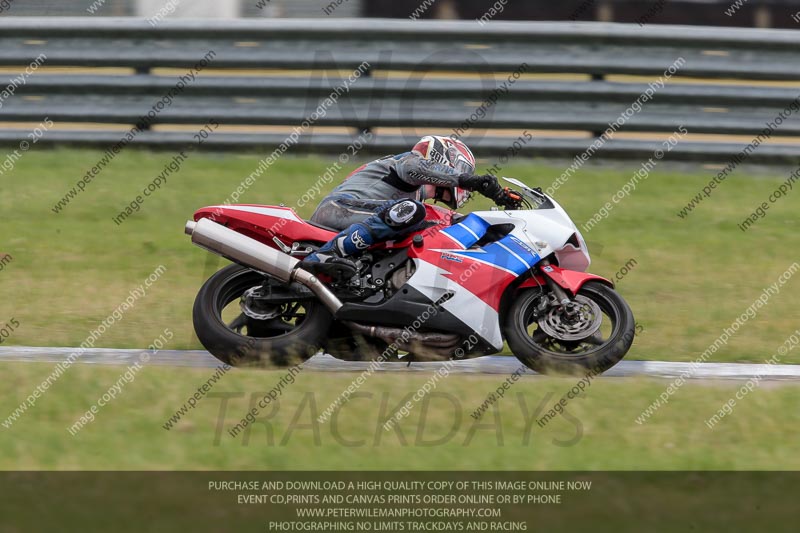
<point>554,227</point>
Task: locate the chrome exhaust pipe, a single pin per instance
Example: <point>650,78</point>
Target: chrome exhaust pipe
<point>249,252</point>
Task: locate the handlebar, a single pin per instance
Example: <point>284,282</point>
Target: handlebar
<point>512,199</point>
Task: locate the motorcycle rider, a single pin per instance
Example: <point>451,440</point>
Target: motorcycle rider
<point>382,200</point>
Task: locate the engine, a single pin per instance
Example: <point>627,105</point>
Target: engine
<point>401,276</point>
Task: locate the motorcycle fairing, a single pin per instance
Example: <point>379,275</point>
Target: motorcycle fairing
<point>473,303</point>
<point>509,254</point>
<point>467,232</point>
<point>477,277</point>
<point>263,223</point>
<point>402,310</point>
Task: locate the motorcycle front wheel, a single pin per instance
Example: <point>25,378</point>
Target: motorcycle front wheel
<point>594,336</point>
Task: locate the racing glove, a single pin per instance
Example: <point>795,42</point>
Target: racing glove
<point>487,185</point>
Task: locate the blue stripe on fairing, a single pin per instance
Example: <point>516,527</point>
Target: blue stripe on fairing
<point>521,249</point>
<point>496,254</point>
<point>465,231</point>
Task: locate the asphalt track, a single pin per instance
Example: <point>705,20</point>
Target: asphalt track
<point>493,364</point>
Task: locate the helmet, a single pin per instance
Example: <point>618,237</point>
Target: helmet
<point>456,155</point>
<point>447,151</point>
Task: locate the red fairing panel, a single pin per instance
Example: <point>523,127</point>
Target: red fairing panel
<point>262,223</point>
<point>567,279</point>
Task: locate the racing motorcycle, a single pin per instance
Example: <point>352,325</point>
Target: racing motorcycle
<point>460,287</point>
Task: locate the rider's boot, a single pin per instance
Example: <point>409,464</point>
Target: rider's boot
<point>332,258</point>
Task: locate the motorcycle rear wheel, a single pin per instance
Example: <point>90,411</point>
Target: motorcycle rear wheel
<point>595,354</point>
<point>294,334</point>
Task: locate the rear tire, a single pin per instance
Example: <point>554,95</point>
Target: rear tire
<point>265,344</point>
<point>592,355</point>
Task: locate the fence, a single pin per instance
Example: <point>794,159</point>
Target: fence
<point>564,81</point>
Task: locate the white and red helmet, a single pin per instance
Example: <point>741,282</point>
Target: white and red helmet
<point>456,155</point>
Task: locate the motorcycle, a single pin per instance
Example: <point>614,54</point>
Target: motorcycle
<point>460,287</point>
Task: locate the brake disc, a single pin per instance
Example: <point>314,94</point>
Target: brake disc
<point>253,307</point>
<point>580,321</point>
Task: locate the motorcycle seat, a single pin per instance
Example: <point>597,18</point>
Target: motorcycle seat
<point>322,226</point>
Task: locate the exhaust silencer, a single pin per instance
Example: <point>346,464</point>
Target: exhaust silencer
<point>249,252</point>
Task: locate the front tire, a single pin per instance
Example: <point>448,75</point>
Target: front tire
<point>601,349</point>
<point>295,333</point>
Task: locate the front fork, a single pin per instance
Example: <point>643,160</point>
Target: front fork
<point>562,297</point>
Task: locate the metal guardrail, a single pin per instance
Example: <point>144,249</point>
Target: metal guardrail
<point>399,91</point>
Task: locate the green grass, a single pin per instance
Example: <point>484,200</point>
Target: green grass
<point>692,278</point>
<point>70,270</point>
<point>599,432</point>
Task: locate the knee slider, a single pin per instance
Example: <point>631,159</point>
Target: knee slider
<point>404,214</point>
